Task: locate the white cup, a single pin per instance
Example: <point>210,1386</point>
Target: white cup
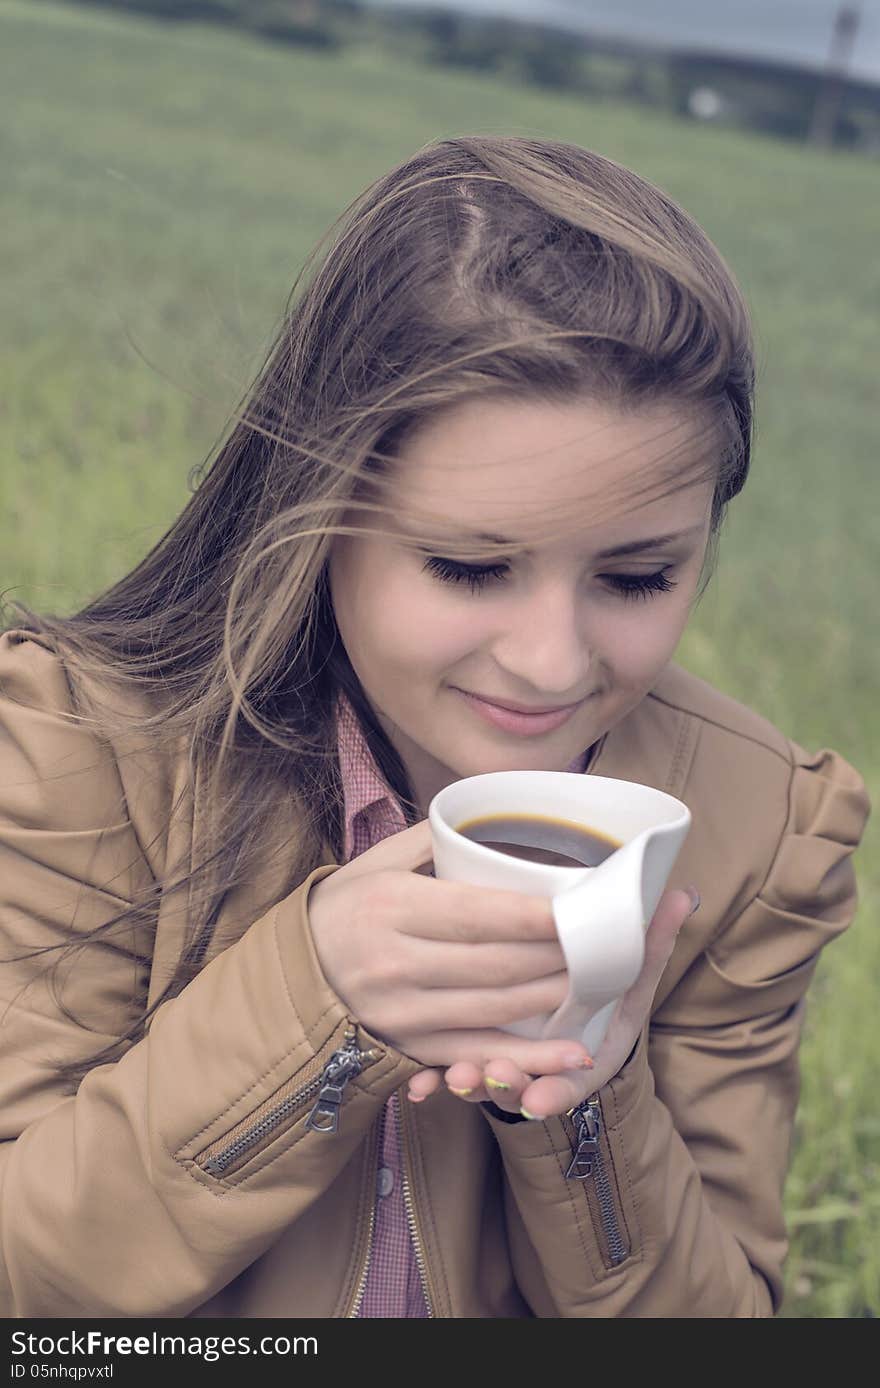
<point>600,912</point>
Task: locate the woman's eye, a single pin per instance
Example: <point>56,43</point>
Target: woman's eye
<point>641,585</point>
<point>476,576</point>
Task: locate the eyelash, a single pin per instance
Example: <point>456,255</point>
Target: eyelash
<point>627,586</point>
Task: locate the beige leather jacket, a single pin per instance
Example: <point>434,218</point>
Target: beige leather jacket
<point>183,1180</point>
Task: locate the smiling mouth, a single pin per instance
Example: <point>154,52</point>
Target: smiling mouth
<point>524,708</point>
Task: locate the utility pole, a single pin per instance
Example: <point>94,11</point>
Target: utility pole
<point>833,85</point>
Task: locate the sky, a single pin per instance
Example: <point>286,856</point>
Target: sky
<point>788,30</point>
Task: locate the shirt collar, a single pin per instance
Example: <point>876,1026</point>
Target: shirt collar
<point>363,784</point>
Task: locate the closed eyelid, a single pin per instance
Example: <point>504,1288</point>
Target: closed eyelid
<point>653,565</point>
<point>477,576</point>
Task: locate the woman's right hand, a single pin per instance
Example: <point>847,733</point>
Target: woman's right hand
<point>435,967</point>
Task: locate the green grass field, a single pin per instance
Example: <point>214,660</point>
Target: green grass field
<point>161,189</point>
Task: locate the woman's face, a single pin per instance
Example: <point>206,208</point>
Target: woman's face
<point>561,622</point>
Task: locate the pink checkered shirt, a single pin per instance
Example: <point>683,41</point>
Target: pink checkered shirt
<point>372,813</point>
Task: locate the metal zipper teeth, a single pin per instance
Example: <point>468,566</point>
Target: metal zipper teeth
<point>617,1248</point>
<point>372,1163</point>
<point>362,1284</point>
<point>217,1165</point>
<point>411,1217</point>
<point>222,1160</point>
<point>616,1245</point>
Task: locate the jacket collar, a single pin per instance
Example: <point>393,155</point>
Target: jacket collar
<point>653,744</point>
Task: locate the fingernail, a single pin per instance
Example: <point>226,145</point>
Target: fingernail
<point>525,1113</point>
<point>416,1098</point>
<point>496,1084</point>
<point>462,1093</point>
<point>577,1061</point>
<point>695,899</point>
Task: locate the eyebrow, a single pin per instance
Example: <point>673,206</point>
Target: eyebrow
<point>616,552</point>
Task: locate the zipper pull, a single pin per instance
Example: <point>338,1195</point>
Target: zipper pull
<point>342,1067</point>
<point>588,1118</point>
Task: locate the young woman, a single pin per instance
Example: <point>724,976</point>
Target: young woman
<point>253,1057</point>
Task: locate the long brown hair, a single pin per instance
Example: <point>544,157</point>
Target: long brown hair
<point>482,264</point>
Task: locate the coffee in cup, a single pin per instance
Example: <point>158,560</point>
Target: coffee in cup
<point>541,839</point>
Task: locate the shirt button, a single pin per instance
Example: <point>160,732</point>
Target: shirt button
<point>385,1181</point>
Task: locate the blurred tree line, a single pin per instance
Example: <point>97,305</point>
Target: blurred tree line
<point>318,23</point>
<point>776,98</point>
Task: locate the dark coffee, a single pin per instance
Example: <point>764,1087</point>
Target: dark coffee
<point>541,839</point>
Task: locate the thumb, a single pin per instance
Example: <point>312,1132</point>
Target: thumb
<point>407,851</point>
<point>672,911</point>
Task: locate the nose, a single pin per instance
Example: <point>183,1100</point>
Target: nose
<point>543,647</point>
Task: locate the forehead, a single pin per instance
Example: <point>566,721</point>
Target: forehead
<point>513,466</point>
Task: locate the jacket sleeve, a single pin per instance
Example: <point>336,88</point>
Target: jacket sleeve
<point>682,1214</point>
<point>121,1199</point>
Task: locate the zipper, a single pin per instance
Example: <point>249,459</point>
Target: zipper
<point>421,1261</point>
<point>372,1163</point>
<point>326,1084</point>
<point>342,1067</point>
<point>588,1165</point>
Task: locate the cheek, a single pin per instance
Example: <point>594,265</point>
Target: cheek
<point>424,627</point>
<point>640,641</point>
<point>391,618</point>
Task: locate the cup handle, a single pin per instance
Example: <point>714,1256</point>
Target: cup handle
<point>603,962</point>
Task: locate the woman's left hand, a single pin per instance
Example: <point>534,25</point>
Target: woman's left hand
<point>505,1084</point>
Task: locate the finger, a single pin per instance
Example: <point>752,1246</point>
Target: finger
<point>433,964</point>
<point>672,911</point>
<point>478,1047</point>
<point>505,1083</point>
<point>549,1095</point>
<point>439,910</point>
<point>423,1084</point>
<point>465,1080</point>
<point>444,1009</point>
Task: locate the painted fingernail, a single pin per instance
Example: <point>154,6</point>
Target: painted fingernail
<point>525,1113</point>
<point>577,1061</point>
<point>462,1093</point>
<point>695,898</point>
<point>496,1084</point>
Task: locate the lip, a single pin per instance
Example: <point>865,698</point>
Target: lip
<point>526,723</point>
